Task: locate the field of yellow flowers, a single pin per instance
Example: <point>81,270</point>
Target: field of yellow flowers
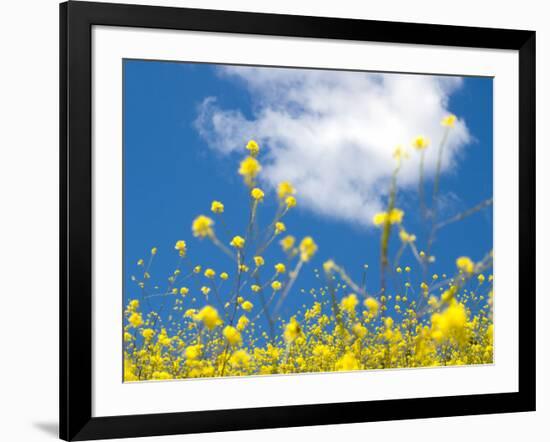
<point>424,320</point>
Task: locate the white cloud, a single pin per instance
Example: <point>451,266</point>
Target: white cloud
<point>332,134</point>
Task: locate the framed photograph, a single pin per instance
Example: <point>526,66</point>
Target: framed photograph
<point>272,221</point>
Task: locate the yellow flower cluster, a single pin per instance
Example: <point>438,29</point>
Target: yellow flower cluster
<point>234,328</point>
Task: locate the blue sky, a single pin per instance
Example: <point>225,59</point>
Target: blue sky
<point>174,168</point>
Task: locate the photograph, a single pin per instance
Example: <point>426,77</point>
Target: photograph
<point>288,220</point>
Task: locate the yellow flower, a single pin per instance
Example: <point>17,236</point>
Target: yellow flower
<point>290,202</point>
<point>285,189</point>
<point>190,313</point>
<point>154,251</point>
<point>359,330</point>
<point>399,153</point>
<point>292,330</point>
<point>380,218</point>
<point>307,248</point>
<point>276,285</point>
<point>140,262</point>
<point>148,333</point>
<point>465,264</point>
<point>224,276</point>
<point>243,268</point>
<point>259,261</point>
<point>279,227</point>
<point>209,273</point>
<point>247,306</point>
<point>133,305</point>
<point>287,242</point>
<point>249,169</point>
<point>193,351</point>
<point>217,207</point>
<point>242,323</point>
<point>209,317</point>
<point>406,237</point>
<point>481,278</point>
<point>127,337</point>
<point>205,290</point>
<point>232,335</point>
<point>240,358</point>
<point>347,362</point>
<point>420,143</point>
<point>237,242</point>
<point>257,194</point>
<point>449,120</point>
<point>396,216</point>
<point>253,148</point>
<point>372,304</point>
<point>135,320</point>
<point>280,267</point>
<point>329,266</point>
<point>451,324</point>
<point>184,291</point>
<point>349,303</point>
<point>255,288</point>
<point>202,226</point>
<point>197,269</point>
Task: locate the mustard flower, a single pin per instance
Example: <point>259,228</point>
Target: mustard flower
<point>307,248</point>
<point>287,242</point>
<point>193,351</point>
<point>280,267</point>
<point>209,317</point>
<point>247,305</point>
<point>154,251</point>
<point>257,194</point>
<point>372,304</point>
<point>209,273</point>
<point>449,120</point>
<point>359,330</point>
<point>224,276</point>
<point>240,358</point>
<point>285,189</point>
<point>347,362</point>
<point>481,278</point>
<point>217,207</point>
<point>292,330</point>
<point>237,242</point>
<point>420,142</point>
<point>205,290</point>
<point>135,320</point>
<point>202,226</point>
<point>465,264</point>
<point>406,237</point>
<point>148,333</point>
<point>232,335</point>
<point>276,285</point>
<point>399,153</point>
<point>184,291</point>
<point>259,261</point>
<point>249,169</point>
<point>253,148</point>
<point>290,202</point>
<point>242,323</point>
<point>349,303</point>
<point>140,262</point>
<point>279,227</point>
<point>255,288</point>
<point>197,269</point>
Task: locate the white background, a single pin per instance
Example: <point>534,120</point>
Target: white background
<point>29,207</point>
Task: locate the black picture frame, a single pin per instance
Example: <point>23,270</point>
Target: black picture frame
<point>76,21</point>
